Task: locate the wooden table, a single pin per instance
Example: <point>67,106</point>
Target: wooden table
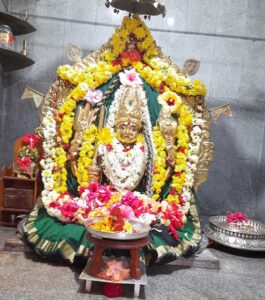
<point>133,246</point>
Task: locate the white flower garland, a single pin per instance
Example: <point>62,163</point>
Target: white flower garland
<point>49,144</point>
<point>124,169</point>
<point>193,158</point>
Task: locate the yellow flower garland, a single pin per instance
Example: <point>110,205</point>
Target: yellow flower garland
<point>86,155</point>
<point>60,176</point>
<point>159,162</point>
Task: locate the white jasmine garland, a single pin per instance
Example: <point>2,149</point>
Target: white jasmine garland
<point>193,157</point>
<point>124,169</point>
<point>49,132</point>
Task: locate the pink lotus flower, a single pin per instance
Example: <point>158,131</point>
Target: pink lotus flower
<point>130,78</point>
<point>124,211</point>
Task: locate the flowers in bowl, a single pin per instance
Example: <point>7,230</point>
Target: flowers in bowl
<point>113,224</point>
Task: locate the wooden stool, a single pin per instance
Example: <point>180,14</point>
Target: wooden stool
<point>133,246</point>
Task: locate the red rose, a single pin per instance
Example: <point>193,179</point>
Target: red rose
<point>24,163</point>
<point>112,290</point>
<point>31,139</point>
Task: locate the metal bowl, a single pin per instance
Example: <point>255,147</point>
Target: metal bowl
<point>250,238</point>
<point>141,228</point>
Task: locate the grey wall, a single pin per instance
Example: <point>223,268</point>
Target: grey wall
<point>228,36</point>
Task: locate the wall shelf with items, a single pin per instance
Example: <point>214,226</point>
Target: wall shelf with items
<point>19,26</point>
<point>10,59</point>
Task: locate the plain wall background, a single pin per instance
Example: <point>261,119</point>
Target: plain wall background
<point>227,36</point>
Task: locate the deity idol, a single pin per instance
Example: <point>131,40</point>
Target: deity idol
<point>125,163</point>
<point>123,130</point>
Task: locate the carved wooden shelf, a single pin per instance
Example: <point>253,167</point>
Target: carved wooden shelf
<point>18,26</point>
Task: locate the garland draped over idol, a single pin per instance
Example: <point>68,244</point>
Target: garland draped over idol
<point>99,200</point>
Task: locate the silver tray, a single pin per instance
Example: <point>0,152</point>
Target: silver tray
<point>251,238</point>
<point>254,229</point>
<point>142,231</point>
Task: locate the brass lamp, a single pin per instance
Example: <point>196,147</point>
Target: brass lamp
<point>140,7</point>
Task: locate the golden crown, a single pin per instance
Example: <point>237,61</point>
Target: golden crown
<point>130,107</point>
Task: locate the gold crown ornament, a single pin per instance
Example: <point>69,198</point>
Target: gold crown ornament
<point>130,107</point>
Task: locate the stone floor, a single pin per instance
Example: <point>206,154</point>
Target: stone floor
<point>25,276</point>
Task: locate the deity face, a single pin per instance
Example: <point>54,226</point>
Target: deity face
<point>127,131</point>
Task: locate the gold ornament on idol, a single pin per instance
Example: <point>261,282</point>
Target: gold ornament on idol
<point>129,117</point>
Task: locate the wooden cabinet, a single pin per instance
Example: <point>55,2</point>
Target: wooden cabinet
<point>17,196</point>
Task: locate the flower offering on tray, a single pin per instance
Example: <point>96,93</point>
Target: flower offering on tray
<point>237,220</point>
<point>113,224</point>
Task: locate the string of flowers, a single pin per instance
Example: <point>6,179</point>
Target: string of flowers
<point>159,161</point>
<point>174,104</point>
<point>85,156</point>
<point>60,175</point>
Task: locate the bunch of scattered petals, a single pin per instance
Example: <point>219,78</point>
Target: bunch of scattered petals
<point>236,217</point>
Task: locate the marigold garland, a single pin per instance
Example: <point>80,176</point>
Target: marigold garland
<point>60,174</point>
<point>86,155</point>
<point>159,162</point>
<point>173,103</point>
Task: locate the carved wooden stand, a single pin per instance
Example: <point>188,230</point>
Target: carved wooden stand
<point>133,246</point>
<point>138,276</point>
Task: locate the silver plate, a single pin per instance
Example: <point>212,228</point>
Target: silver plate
<point>141,228</point>
<point>250,238</point>
<point>253,230</point>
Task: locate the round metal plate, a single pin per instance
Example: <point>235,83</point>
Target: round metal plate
<point>142,231</point>
<point>251,238</point>
<point>253,230</point>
